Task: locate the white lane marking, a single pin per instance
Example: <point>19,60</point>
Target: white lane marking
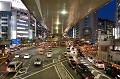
<point>99,72</point>
<point>57,71</point>
<point>67,71</point>
<point>44,66</point>
<point>24,62</point>
<point>54,62</point>
<point>92,71</point>
<point>18,72</point>
<point>83,62</point>
<point>86,64</point>
<point>37,72</point>
<point>98,76</point>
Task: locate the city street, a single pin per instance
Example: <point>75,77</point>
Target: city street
<point>54,67</point>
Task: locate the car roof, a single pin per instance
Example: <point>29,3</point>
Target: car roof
<point>82,65</point>
<point>37,58</point>
<point>14,62</point>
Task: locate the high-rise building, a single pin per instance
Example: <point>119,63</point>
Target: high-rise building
<point>117,27</point>
<point>105,25</point>
<point>86,27</point>
<point>5,17</point>
<point>17,22</point>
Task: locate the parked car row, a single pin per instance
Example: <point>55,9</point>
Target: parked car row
<point>81,70</point>
<point>113,71</point>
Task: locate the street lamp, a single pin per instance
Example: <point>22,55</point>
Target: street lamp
<point>64,12</point>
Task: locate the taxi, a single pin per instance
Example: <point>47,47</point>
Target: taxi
<point>65,54</point>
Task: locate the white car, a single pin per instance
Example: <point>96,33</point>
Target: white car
<point>37,61</point>
<point>90,59</point>
<point>70,58</point>
<point>49,54</point>
<point>98,64</point>
<point>17,55</point>
<point>26,56</point>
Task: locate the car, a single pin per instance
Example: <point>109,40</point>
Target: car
<point>41,52</point>
<point>112,71</point>
<point>68,49</point>
<point>90,59</point>
<point>65,54</point>
<point>81,55</point>
<point>50,50</point>
<point>83,72</point>
<point>49,54</point>
<point>69,57</point>
<point>14,66</point>
<point>72,64</point>
<point>17,55</point>
<point>37,61</point>
<point>98,63</point>
<point>16,48</point>
<point>8,60</point>
<point>27,56</point>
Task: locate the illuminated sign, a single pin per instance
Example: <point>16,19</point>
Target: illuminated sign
<point>23,17</point>
<point>15,41</point>
<point>22,35</point>
<point>22,24</point>
<point>22,31</point>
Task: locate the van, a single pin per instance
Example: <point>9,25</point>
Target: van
<point>14,66</point>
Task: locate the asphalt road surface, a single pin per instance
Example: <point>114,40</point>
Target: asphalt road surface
<point>52,68</point>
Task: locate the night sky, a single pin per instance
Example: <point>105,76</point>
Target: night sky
<point>108,11</point>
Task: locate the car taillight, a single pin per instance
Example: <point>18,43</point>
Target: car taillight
<point>6,62</point>
<point>86,78</point>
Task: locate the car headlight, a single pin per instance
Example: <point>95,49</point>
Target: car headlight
<point>118,76</point>
<point>86,78</point>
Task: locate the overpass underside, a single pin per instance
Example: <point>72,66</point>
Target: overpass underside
<point>50,12</point>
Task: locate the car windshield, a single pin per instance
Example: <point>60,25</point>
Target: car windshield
<point>82,66</point>
<point>49,53</point>
<point>100,62</point>
<point>68,50</point>
<point>73,62</point>
<point>91,57</point>
<point>70,57</point>
<point>65,53</point>
<point>85,70</point>
<point>37,59</point>
<point>11,66</point>
<point>26,55</point>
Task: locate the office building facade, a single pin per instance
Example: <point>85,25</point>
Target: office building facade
<point>117,27</point>
<point>17,23</point>
<point>86,28</point>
